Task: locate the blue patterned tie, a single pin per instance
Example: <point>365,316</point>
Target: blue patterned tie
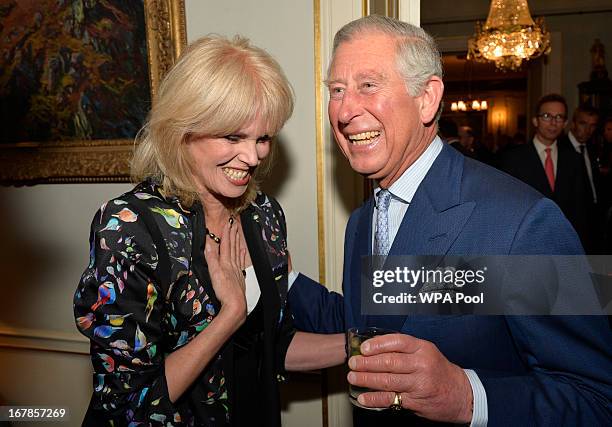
<point>381,238</point>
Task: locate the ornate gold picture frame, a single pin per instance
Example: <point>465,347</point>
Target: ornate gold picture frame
<point>73,159</point>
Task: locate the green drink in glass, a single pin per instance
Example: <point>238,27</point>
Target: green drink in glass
<point>354,338</point>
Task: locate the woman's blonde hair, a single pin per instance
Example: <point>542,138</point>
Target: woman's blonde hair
<point>216,87</point>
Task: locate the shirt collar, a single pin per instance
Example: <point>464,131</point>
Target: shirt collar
<point>574,141</point>
<point>541,147</point>
<point>407,184</point>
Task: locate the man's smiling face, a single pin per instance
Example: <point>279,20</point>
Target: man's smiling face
<point>376,123</point>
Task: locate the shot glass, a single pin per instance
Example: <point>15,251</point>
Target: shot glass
<point>354,338</point>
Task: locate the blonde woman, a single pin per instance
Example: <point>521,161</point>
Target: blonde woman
<point>184,297</point>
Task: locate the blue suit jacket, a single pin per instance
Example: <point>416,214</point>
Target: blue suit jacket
<point>547,370</point>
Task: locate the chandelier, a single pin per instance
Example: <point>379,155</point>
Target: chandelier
<point>509,36</point>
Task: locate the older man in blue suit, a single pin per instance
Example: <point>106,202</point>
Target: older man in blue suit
<point>385,91</point>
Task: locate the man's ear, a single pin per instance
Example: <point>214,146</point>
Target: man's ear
<point>534,122</point>
<point>431,98</point>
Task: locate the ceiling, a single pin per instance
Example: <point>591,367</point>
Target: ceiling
<point>462,76</point>
<point>457,68</point>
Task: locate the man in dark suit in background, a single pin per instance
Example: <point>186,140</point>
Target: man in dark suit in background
<point>582,128</point>
<point>449,132</point>
<point>385,84</point>
<point>579,138</point>
<point>553,168</point>
<point>477,148</point>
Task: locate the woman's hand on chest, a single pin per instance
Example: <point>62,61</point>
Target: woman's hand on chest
<point>226,261</point>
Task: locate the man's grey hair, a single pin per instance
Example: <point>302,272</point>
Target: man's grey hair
<point>418,58</point>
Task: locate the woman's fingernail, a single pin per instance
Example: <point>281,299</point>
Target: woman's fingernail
<point>365,347</point>
<point>351,377</point>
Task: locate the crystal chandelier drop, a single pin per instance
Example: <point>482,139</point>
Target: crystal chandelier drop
<point>509,36</point>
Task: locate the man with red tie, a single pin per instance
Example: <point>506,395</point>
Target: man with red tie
<point>554,169</point>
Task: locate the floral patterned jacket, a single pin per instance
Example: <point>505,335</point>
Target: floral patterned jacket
<point>120,306</point>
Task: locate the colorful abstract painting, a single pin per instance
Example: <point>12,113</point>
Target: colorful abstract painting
<point>72,70</point>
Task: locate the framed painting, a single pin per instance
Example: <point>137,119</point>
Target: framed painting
<point>78,78</point>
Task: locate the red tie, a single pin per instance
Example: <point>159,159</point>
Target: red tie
<point>549,169</point>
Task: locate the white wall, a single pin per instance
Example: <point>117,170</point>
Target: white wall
<point>43,251</point>
<point>285,30</point>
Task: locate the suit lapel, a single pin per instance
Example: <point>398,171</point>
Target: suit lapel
<point>427,231</point>
<point>433,220</point>
<point>436,214</point>
<point>572,176</point>
<point>540,180</point>
<point>564,170</point>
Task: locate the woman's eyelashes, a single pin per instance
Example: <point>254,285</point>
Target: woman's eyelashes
<point>264,139</point>
<point>238,138</point>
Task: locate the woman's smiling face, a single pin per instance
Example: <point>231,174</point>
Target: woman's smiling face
<point>224,165</point>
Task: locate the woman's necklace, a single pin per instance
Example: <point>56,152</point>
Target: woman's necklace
<point>217,239</point>
<point>213,236</point>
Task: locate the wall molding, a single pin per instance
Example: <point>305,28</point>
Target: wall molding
<point>341,190</point>
<point>552,68</point>
<point>410,11</point>
<point>43,340</point>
